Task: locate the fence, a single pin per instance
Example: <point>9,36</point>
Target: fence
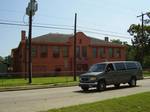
<point>53,77</point>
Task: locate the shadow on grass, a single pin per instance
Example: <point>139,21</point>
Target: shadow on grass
<point>94,90</point>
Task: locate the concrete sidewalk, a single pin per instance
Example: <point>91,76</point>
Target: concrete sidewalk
<point>148,77</point>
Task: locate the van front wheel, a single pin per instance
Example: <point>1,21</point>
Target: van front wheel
<point>117,85</point>
<point>85,88</point>
<point>101,86</point>
<point>132,82</point>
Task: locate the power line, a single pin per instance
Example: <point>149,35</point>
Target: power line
<point>99,30</point>
<point>68,27</point>
<point>63,28</point>
<point>39,26</point>
<point>105,34</point>
<point>43,24</point>
<point>56,25</point>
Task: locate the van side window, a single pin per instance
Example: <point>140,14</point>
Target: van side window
<point>120,66</point>
<point>110,67</point>
<point>131,66</point>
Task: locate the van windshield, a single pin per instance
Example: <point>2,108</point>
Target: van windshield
<point>97,68</point>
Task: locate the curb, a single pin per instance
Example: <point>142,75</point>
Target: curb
<point>31,87</point>
<point>148,77</point>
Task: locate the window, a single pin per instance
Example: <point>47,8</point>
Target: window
<point>120,66</point>
<point>131,66</point>
<point>110,52</point>
<point>56,51</point>
<point>101,52</point>
<point>117,53</point>
<point>110,67</point>
<point>65,51</point>
<point>78,51</point>
<point>84,51</point>
<point>34,52</point>
<point>43,51</point>
<point>94,52</point>
<point>97,68</point>
<point>139,66</point>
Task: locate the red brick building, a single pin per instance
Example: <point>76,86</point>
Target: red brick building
<point>54,52</point>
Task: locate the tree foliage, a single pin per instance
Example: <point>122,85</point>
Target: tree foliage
<point>118,41</point>
<point>136,32</point>
<point>140,41</point>
<point>130,52</point>
<point>6,60</point>
<point>1,59</point>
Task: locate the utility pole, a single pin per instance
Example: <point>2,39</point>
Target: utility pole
<point>30,11</point>
<point>142,42</point>
<point>75,26</point>
<point>26,59</point>
<point>141,39</point>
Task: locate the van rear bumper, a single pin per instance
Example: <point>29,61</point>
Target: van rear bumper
<point>88,84</point>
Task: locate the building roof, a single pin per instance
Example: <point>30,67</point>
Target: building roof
<point>62,38</point>
<point>95,41</point>
<point>52,37</point>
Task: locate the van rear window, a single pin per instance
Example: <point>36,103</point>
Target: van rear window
<point>131,66</point>
<point>120,66</point>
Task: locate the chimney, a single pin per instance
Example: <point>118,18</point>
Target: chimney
<point>107,39</point>
<point>23,35</point>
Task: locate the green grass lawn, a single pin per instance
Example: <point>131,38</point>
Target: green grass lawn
<point>146,73</point>
<point>35,81</point>
<point>133,103</point>
<point>6,82</point>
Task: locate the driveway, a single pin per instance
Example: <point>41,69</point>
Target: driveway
<point>44,99</point>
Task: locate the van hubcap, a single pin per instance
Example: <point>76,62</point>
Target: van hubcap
<point>101,86</point>
<point>133,82</point>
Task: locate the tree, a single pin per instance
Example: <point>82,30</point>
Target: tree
<point>118,41</point>
<point>8,61</point>
<point>1,59</point>
<point>130,52</point>
<point>140,41</point>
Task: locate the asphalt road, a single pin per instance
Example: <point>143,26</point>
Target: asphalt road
<point>44,99</point>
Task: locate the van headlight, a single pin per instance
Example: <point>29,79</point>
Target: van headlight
<point>80,79</point>
<point>92,78</point>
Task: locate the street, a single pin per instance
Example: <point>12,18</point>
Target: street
<point>44,99</point>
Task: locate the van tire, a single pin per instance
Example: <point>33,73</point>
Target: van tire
<point>117,85</point>
<point>85,88</point>
<point>132,82</point>
<point>101,86</point>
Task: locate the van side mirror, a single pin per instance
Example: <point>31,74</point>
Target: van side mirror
<point>108,69</point>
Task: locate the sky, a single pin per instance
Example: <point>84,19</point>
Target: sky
<point>96,18</point>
